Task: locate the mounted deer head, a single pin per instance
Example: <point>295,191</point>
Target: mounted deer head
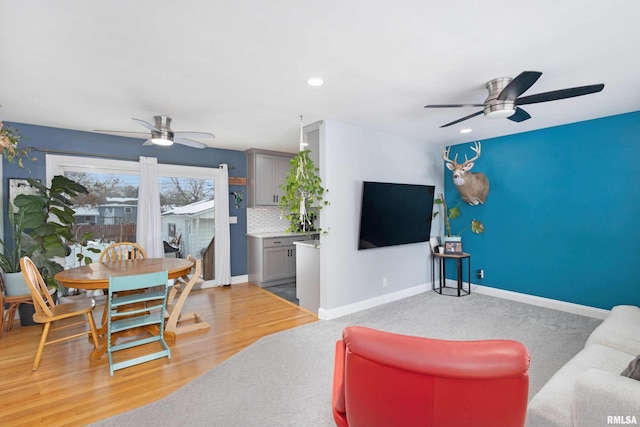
<point>473,187</point>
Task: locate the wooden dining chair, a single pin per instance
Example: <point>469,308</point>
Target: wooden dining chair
<point>122,250</point>
<point>46,312</point>
<point>178,294</point>
<point>12,302</point>
<point>136,305</point>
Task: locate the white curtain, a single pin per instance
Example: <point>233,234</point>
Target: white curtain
<point>149,225</point>
<point>223,239</point>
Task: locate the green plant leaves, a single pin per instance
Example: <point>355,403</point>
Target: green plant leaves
<point>303,194</point>
<point>41,228</point>
<point>476,226</point>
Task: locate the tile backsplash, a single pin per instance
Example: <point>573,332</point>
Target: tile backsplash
<point>265,219</point>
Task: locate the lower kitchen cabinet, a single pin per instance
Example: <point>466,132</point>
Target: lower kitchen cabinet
<point>272,260</point>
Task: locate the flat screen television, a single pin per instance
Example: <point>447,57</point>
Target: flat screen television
<point>395,214</point>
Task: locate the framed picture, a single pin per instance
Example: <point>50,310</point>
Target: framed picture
<point>452,247</point>
<point>19,186</point>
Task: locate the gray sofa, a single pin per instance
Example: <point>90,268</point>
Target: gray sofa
<point>589,390</point>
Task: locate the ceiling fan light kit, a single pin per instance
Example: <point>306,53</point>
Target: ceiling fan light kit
<point>161,141</point>
<point>504,98</point>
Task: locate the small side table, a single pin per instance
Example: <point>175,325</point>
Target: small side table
<point>443,276</point>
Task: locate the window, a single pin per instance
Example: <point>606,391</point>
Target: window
<point>186,198</point>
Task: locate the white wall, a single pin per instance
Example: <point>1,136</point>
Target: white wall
<point>350,155</point>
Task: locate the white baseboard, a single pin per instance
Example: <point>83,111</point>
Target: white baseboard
<point>569,307</point>
<point>582,310</point>
<point>325,314</point>
<point>234,281</point>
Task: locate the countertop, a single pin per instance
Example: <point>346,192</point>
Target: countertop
<point>266,235</point>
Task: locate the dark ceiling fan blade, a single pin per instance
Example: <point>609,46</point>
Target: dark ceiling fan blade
<point>194,134</point>
<point>554,95</point>
<point>519,85</point>
<point>146,124</point>
<point>462,119</point>
<point>452,105</point>
<point>188,142</point>
<point>519,116</point>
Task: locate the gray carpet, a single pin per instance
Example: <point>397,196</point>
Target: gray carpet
<point>285,379</point>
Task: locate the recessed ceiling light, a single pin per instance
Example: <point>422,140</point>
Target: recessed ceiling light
<point>465,130</point>
<point>315,81</point>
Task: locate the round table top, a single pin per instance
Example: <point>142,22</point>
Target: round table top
<point>96,275</point>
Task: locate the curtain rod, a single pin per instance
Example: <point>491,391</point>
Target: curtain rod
<point>110,156</point>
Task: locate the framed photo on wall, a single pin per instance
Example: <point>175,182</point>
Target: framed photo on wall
<point>19,186</point>
<point>452,247</point>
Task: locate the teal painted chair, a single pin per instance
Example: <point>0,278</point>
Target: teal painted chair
<point>137,304</point>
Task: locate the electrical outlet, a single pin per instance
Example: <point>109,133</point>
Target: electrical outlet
<point>384,282</point>
<point>480,274</point>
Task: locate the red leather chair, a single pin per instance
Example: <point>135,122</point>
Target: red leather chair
<point>385,379</point>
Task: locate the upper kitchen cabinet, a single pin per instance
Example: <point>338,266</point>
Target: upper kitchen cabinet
<point>266,170</point>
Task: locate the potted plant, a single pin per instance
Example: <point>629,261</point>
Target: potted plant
<point>476,226</point>
<point>12,252</point>
<point>41,227</point>
<point>303,194</point>
<point>47,219</point>
<point>10,257</point>
<point>9,139</point>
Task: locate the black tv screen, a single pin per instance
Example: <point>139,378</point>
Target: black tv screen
<point>395,214</point>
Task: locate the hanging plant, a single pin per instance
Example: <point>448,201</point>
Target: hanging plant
<point>303,194</point>
<point>9,140</point>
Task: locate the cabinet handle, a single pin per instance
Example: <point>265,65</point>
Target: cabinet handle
<point>277,243</point>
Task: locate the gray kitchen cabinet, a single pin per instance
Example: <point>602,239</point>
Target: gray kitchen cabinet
<point>279,263</point>
<point>272,261</point>
<point>266,171</point>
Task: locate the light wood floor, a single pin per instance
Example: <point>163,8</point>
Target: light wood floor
<point>68,389</point>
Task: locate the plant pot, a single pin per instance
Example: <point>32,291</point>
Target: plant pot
<point>14,284</point>
<point>27,311</point>
<point>445,239</point>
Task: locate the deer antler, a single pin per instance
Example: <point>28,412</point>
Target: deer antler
<point>476,148</point>
<point>445,156</point>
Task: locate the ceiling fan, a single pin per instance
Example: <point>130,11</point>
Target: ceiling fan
<point>504,97</point>
<point>162,134</point>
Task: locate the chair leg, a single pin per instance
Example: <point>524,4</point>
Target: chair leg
<point>11,314</point>
<point>43,340</point>
<point>92,327</point>
<point>2,314</point>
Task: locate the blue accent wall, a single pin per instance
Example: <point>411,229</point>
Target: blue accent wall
<point>94,144</point>
<point>562,217</point>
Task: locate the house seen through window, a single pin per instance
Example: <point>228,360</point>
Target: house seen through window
<point>109,211</point>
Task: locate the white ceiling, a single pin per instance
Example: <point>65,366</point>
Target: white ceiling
<point>238,68</point>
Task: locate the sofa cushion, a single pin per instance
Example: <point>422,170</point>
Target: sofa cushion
<point>552,405</point>
<point>620,330</point>
<point>633,370</point>
<point>601,397</point>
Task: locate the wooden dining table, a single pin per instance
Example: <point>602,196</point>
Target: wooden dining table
<point>96,276</point>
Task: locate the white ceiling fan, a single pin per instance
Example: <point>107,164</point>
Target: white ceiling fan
<point>162,134</point>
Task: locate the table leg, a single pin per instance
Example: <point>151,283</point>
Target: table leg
<point>459,275</point>
<point>469,274</point>
<point>443,276</point>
